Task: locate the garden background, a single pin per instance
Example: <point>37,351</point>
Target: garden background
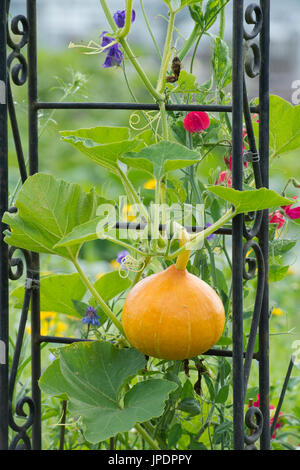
<point>66,74</point>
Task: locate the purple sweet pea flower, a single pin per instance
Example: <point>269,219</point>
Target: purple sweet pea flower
<point>114,56</point>
<point>212,235</point>
<point>121,255</point>
<point>91,317</point>
<point>119,18</point>
<point>114,53</point>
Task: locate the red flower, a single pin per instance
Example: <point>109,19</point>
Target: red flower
<point>292,213</point>
<point>225,177</point>
<point>276,218</point>
<point>196,121</point>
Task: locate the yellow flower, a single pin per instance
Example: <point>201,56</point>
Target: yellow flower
<point>48,316</point>
<point>128,213</point>
<point>277,312</point>
<point>60,327</point>
<point>150,184</point>
<point>114,264</point>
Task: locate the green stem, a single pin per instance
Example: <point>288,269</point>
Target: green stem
<point>166,54</point>
<point>189,42</point>
<point>212,265</point>
<point>108,15</point>
<point>150,30</point>
<point>164,121</point>
<point>98,298</point>
<point>222,20</point>
<point>129,53</point>
<point>125,31</point>
<point>133,196</point>
<point>202,235</point>
<point>147,437</point>
<point>139,273</point>
<point>157,96</point>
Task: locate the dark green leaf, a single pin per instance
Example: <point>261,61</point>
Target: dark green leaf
<point>48,209</point>
<point>190,405</point>
<point>248,201</point>
<point>222,394</point>
<point>92,375</point>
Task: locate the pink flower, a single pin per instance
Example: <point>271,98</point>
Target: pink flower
<point>292,213</point>
<point>196,121</point>
<point>225,177</point>
<point>278,425</point>
<point>276,218</point>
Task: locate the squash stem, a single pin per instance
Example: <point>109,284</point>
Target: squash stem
<point>183,257</point>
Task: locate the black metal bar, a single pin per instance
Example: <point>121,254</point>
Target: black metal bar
<point>3,246</point>
<point>257,306</point>
<point>137,106</point>
<point>264,380</point>
<point>65,340</point>
<point>237,226</point>
<point>189,228</point>
<point>33,168</point>
<point>282,395</point>
<point>16,135</point>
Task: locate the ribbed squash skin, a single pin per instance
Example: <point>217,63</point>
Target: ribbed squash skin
<point>173,315</point>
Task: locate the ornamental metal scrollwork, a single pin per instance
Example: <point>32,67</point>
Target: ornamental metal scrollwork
<point>253,16</point>
<point>19,27</point>
<point>254,421</point>
<point>21,430</point>
<point>250,268</point>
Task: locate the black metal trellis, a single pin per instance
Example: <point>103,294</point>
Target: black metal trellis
<point>14,67</point>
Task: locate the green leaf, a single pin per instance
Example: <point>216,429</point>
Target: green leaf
<point>111,284</point>
<point>221,63</point>
<point>92,375</point>
<point>58,291</point>
<point>222,394</point>
<point>48,209</point>
<point>80,307</point>
<point>248,201</point>
<point>103,145</point>
<point>251,394</point>
<point>280,247</point>
<point>91,230</point>
<point>190,405</point>
<point>177,5</point>
<point>186,83</point>
<point>211,12</point>
<point>210,387</point>
<point>224,341</point>
<point>174,435</point>
<point>159,159</point>
<point>197,13</point>
<point>284,126</point>
<point>277,272</point>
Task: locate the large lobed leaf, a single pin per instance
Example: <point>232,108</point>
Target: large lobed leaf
<point>103,145</point>
<point>284,126</point>
<point>48,209</point>
<point>251,200</point>
<point>161,158</point>
<point>59,291</point>
<point>92,376</point>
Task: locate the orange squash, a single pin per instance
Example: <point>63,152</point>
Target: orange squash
<point>173,315</point>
